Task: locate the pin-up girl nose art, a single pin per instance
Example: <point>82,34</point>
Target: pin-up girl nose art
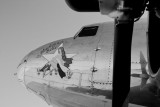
<point>60,62</point>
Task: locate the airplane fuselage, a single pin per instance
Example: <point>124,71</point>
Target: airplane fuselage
<point>77,71</point>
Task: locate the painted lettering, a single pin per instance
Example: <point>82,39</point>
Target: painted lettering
<point>51,47</point>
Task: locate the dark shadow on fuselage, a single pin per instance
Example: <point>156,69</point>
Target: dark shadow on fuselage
<point>143,97</point>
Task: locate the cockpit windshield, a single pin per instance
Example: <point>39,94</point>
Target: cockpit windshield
<point>88,31</point>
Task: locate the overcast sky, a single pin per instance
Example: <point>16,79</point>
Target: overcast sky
<point>26,25</point>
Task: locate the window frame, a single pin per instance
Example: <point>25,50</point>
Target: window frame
<point>77,34</point>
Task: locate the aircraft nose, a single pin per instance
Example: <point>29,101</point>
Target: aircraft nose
<point>27,69</point>
<point>21,71</point>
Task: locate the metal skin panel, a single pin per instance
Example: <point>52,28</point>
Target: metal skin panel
<point>77,72</point>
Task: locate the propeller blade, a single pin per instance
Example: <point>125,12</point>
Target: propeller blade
<point>122,57</point>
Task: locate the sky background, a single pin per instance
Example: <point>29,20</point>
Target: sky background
<point>26,25</point>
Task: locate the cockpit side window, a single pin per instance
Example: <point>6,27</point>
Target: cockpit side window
<point>88,31</point>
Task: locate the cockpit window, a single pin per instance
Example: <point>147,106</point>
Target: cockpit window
<point>88,31</point>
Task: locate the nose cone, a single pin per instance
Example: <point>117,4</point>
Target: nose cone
<point>21,71</point>
<point>27,69</point>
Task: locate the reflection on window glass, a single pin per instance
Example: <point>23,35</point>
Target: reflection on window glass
<point>88,31</point>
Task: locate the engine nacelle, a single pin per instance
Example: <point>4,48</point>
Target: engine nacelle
<point>112,8</point>
<point>84,5</point>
